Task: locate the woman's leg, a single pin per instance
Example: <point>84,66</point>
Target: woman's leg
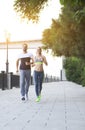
<point>36,82</point>
<point>41,76</point>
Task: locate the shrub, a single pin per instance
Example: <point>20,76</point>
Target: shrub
<point>75,70</point>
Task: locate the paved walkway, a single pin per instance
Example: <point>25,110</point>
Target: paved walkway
<point>62,107</point>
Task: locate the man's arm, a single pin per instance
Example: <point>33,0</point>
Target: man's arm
<point>17,65</point>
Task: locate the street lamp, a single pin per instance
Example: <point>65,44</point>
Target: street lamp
<point>7,35</point>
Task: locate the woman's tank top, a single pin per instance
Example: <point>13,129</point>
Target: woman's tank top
<point>38,64</point>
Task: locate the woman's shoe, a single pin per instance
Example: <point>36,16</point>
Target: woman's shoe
<point>38,99</point>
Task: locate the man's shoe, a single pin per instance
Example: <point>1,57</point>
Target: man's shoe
<point>23,98</point>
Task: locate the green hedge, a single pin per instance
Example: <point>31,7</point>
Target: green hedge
<point>75,70</point>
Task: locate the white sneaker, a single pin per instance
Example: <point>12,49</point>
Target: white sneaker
<point>27,96</point>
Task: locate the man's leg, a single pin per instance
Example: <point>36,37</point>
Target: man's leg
<point>28,81</point>
<point>22,83</point>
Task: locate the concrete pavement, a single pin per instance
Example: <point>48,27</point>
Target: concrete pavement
<point>62,107</point>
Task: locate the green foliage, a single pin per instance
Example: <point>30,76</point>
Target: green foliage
<point>78,6</point>
<point>79,15</point>
<point>75,70</point>
<point>72,2</point>
<point>67,2</point>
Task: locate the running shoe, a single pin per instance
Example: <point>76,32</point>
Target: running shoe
<point>38,99</point>
<point>23,98</point>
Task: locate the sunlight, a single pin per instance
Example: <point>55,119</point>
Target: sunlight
<point>21,30</point>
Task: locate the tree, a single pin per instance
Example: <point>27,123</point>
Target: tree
<point>29,9</point>
<point>51,38</point>
<point>67,36</point>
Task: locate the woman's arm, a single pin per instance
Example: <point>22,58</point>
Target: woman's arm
<point>45,60</point>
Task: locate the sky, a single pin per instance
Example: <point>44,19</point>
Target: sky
<point>19,29</point>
